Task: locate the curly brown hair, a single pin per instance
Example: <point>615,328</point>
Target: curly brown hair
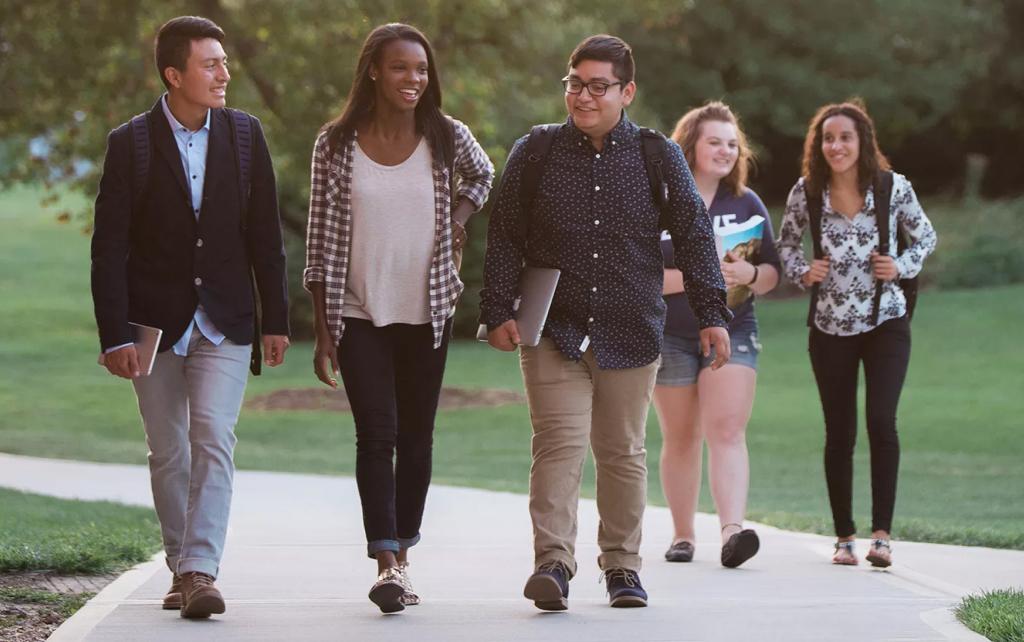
<point>870,161</point>
<point>687,133</point>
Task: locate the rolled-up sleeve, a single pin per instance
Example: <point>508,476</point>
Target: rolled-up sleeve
<point>910,217</point>
<point>694,242</point>
<point>791,234</point>
<point>472,166</point>
<point>503,260</point>
<point>316,225</point>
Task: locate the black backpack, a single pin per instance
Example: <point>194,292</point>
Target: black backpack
<point>241,134</point>
<point>882,188</point>
<point>538,146</point>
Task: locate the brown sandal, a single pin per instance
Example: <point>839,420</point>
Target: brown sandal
<point>850,559</point>
<point>875,556</point>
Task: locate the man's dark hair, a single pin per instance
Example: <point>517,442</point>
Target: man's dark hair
<point>173,42</point>
<point>605,48</point>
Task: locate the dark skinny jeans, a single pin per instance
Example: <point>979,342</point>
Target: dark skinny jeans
<point>885,352</point>
<point>392,376</point>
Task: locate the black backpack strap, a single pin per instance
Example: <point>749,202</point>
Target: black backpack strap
<point>815,204</point>
<point>241,133</point>
<point>882,189</point>
<point>538,146</point>
<point>141,155</point>
<point>655,148</point>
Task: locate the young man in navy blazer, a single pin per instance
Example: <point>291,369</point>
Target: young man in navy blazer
<point>178,253</point>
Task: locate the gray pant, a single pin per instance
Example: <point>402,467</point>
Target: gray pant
<point>189,408</point>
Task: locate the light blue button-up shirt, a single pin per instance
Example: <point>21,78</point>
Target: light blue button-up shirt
<point>192,147</point>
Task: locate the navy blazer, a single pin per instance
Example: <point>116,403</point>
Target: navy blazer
<point>153,263</point>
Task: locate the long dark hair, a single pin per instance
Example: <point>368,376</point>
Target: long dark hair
<point>430,120</point>
<point>870,159</point>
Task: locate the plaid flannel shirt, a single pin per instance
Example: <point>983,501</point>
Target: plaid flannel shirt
<point>329,232</point>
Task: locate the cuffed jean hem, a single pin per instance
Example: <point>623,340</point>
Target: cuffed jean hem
<point>628,561</point>
<point>409,542</point>
<point>556,556</point>
<point>379,545</point>
<point>198,565</point>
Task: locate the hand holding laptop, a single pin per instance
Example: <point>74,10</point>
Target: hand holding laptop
<point>505,337</point>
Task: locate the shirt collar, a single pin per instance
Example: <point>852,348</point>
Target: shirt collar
<point>622,133</point>
<point>869,201</point>
<point>177,127</point>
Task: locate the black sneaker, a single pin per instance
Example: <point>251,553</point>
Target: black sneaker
<point>549,587</point>
<point>624,589</point>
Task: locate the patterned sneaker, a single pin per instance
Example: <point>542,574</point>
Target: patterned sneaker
<point>549,587</point>
<point>624,589</point>
<point>387,592</point>
<point>409,598</point>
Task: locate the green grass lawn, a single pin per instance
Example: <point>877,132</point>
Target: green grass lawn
<point>998,615</point>
<point>70,537</point>
<point>960,418</point>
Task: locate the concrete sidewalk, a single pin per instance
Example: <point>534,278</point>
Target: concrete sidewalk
<point>296,569</point>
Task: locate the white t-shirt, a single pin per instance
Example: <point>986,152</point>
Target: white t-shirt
<point>392,239</point>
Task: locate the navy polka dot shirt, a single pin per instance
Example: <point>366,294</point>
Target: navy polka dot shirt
<point>595,219</point>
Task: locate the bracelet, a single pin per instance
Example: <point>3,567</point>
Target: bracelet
<point>751,282</point>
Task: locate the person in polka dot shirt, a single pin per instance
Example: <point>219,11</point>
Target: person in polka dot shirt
<point>590,379</point>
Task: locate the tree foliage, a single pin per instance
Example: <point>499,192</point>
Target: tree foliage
<point>941,78</point>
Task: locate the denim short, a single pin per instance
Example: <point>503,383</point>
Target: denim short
<point>681,360</point>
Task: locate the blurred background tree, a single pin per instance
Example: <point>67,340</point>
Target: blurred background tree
<point>943,79</point>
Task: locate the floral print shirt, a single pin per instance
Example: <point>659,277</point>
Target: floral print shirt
<point>845,297</point>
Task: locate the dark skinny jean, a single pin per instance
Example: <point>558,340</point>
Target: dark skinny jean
<point>885,352</point>
<point>392,376</point>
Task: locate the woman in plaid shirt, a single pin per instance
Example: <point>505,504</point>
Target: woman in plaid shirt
<point>385,222</point>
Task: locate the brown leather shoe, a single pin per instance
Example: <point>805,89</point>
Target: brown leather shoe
<point>172,601</point>
<point>199,597</point>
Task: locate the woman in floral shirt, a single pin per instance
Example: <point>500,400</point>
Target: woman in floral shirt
<point>841,164</point>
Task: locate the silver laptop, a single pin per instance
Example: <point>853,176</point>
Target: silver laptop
<point>536,291</point>
<point>147,341</point>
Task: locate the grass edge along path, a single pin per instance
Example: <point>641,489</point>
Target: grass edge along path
<point>998,615</point>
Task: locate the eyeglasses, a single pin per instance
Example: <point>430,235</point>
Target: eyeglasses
<point>594,87</point>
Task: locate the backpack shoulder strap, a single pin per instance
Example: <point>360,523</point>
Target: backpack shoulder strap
<point>815,204</point>
<point>141,154</point>
<point>655,148</point>
<point>538,147</point>
<point>882,188</point>
<point>241,132</point>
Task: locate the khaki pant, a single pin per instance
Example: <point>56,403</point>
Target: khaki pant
<point>573,404</point>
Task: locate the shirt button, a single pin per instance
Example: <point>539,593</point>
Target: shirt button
<point>597,222</point>
<point>593,289</point>
<point>597,188</point>
<point>595,255</point>
<point>590,320</point>
<point>199,242</point>
<point>613,142</point>
<point>597,156</point>
<point>193,177</point>
<point>198,281</point>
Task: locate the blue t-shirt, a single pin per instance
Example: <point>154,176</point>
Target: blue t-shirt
<point>726,209</point>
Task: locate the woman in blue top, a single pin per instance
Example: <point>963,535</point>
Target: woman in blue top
<point>695,403</point>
